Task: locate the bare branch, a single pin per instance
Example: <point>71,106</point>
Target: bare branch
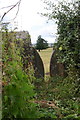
<point>17,10</point>
<point>6,7</point>
<point>12,6</point>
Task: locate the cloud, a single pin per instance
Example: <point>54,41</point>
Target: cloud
<point>29,20</point>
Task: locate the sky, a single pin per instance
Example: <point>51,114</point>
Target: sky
<point>29,20</point>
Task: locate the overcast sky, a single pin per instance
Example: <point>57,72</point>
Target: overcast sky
<point>29,20</point>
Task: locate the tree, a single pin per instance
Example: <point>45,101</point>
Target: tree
<point>41,43</point>
<point>67,16</point>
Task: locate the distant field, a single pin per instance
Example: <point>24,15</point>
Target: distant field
<point>46,55</point>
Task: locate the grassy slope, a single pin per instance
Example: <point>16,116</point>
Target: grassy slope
<point>46,55</point>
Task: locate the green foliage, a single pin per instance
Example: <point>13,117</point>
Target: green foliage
<point>41,43</point>
<point>66,91</point>
<point>18,92</point>
<point>47,113</point>
<point>67,17</point>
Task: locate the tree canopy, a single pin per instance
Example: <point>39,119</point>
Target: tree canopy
<point>41,43</point>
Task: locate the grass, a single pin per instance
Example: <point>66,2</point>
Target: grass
<point>46,56</point>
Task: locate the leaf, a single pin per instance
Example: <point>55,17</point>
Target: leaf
<point>60,48</point>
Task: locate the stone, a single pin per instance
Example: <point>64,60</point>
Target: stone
<point>37,65</point>
<point>55,67</point>
<point>29,55</point>
<point>22,35</point>
<point>24,44</point>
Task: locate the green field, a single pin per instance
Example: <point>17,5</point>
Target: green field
<point>46,55</point>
